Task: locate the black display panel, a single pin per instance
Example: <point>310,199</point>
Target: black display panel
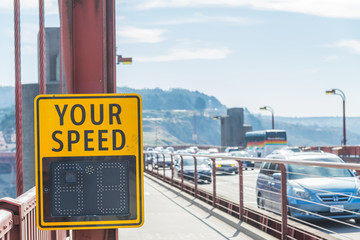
<point>105,182</point>
<point>89,188</point>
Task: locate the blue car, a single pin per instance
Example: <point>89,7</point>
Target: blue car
<point>313,193</point>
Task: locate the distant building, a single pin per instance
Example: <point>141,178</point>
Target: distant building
<point>233,128</point>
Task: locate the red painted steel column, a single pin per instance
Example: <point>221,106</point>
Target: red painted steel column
<point>18,102</point>
<point>88,47</point>
<point>88,39</point>
<point>42,48</point>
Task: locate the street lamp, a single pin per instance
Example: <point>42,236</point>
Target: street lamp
<point>272,114</point>
<point>342,95</point>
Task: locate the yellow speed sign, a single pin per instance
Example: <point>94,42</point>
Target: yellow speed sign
<point>89,171</point>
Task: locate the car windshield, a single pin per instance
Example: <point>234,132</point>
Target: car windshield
<point>190,162</point>
<point>303,171</point>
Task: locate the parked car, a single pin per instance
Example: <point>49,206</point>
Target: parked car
<point>246,164</point>
<point>203,152</point>
<point>312,191</point>
<point>294,149</point>
<point>159,149</point>
<point>170,149</point>
<point>231,149</point>
<point>224,165</point>
<point>204,170</point>
<point>213,150</point>
<point>192,150</point>
<point>162,158</point>
<point>149,156</point>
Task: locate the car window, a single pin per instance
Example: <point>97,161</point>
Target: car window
<point>302,171</point>
<point>270,168</point>
<point>274,168</point>
<point>264,168</point>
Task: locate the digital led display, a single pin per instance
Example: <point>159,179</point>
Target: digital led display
<point>73,183</point>
<point>89,188</point>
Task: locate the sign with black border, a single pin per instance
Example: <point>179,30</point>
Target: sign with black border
<point>88,161</point>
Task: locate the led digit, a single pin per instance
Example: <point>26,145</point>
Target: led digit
<point>111,195</point>
<point>64,190</point>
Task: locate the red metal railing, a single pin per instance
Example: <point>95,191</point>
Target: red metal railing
<point>282,227</point>
<point>18,220</point>
<point>6,223</point>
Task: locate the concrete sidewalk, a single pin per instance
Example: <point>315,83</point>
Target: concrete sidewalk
<point>172,214</point>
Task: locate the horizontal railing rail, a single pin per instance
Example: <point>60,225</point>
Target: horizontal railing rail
<point>18,220</point>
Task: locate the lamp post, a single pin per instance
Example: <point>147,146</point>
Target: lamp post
<point>272,114</point>
<point>342,95</point>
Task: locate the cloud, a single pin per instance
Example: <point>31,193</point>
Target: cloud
<point>330,58</point>
<point>140,35</point>
<point>325,8</point>
<point>311,70</point>
<point>51,6</point>
<point>200,18</point>
<point>26,4</point>
<point>180,54</point>
<point>351,45</point>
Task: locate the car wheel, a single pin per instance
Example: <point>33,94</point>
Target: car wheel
<point>236,172</point>
<point>260,201</point>
<point>246,168</point>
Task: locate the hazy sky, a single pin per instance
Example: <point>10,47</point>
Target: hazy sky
<point>247,53</point>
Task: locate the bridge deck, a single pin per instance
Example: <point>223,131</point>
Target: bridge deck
<point>170,214</point>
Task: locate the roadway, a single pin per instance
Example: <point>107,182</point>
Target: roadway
<point>227,186</point>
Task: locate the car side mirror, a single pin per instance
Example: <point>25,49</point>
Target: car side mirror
<point>277,176</point>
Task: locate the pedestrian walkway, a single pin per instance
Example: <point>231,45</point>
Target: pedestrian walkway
<point>171,215</point>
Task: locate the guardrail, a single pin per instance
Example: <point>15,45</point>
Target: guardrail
<point>18,220</point>
<point>275,222</point>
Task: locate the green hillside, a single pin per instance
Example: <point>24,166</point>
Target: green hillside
<point>170,117</point>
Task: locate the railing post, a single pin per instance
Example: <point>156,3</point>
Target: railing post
<point>163,163</point>
<point>157,162</point>
<point>214,182</point>
<point>144,158</point>
<point>182,172</point>
<point>241,191</point>
<point>284,226</point>
<point>172,169</point>
<point>195,175</point>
